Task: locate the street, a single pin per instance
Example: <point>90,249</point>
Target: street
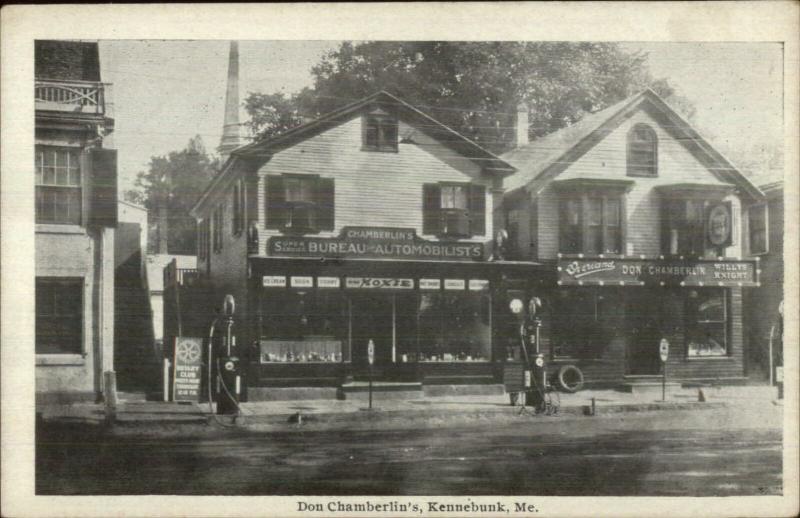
<point>720,452</point>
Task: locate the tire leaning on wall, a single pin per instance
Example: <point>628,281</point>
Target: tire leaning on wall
<point>570,378</point>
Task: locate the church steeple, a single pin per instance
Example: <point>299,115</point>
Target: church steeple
<point>231,131</point>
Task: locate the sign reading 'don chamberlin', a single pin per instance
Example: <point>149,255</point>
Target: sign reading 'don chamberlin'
<point>697,272</point>
<point>374,243</point>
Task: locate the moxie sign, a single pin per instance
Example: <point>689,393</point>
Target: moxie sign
<point>374,243</point>
<point>698,272</point>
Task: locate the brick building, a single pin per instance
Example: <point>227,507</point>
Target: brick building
<point>76,212</point>
<point>640,219</point>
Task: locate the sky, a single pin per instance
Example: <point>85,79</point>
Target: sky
<point>165,92</point>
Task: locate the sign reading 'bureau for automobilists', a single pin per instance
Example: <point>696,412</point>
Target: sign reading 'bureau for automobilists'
<point>374,243</point>
<point>697,272</point>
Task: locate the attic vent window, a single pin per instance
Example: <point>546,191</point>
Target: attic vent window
<point>380,132</point>
<point>642,151</point>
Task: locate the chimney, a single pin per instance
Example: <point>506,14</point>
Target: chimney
<point>231,131</point>
<point>522,124</point>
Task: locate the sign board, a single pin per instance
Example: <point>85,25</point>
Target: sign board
<point>430,284</point>
<point>478,284</point>
<point>654,272</point>
<point>379,283</point>
<point>527,379</point>
<point>371,352</point>
<point>274,281</point>
<point>719,224</point>
<point>302,282</point>
<point>328,282</point>
<point>454,284</point>
<point>187,361</point>
<point>374,243</point>
<point>663,349</point>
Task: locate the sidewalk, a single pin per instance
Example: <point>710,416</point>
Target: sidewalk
<point>433,411</point>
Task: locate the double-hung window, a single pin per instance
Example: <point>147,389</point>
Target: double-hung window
<point>454,209</point>
<point>238,201</point>
<point>642,151</point>
<point>58,185</point>
<point>380,132</point>
<point>757,229</point>
<point>299,203</point>
<point>59,315</point>
<point>591,220</point>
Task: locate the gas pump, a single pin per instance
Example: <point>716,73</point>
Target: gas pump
<point>535,397</point>
<point>224,360</point>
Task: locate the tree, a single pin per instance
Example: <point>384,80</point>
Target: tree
<point>473,87</point>
<point>168,190</point>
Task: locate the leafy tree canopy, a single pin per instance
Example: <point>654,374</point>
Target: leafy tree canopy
<point>473,87</point>
<point>175,181</point>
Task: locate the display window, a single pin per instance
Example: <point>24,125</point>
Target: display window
<point>584,320</point>
<point>303,326</point>
<point>455,326</point>
<point>707,323</point>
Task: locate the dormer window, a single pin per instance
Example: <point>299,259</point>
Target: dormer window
<point>380,132</point>
<point>642,151</point>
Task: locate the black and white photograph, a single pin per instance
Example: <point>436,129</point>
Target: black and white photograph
<point>404,276</point>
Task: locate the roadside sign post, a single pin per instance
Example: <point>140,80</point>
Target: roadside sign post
<point>371,360</point>
<point>663,353</point>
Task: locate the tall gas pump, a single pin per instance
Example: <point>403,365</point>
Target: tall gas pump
<point>225,360</point>
<point>531,335</point>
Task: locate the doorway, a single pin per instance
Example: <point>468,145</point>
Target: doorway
<point>372,319</point>
<point>643,325</point>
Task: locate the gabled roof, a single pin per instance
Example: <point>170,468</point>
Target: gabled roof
<point>544,158</point>
<point>258,153</point>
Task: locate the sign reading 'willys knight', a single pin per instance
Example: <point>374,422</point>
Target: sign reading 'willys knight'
<point>374,243</point>
<point>656,271</point>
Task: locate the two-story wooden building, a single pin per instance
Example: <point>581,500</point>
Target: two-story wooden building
<point>640,219</point>
<point>76,212</point>
<point>375,223</point>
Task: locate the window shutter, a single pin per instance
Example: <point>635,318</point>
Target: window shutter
<point>275,210</point>
<point>103,185</point>
<point>733,210</point>
<point>431,204</point>
<point>325,204</point>
<point>477,210</point>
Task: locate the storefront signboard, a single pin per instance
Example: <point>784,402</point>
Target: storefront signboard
<point>302,282</point>
<point>328,282</point>
<point>663,349</point>
<point>374,243</point>
<point>379,283</point>
<point>430,284</point>
<point>655,272</point>
<point>478,284</point>
<point>454,284</point>
<point>274,281</point>
<point>187,365</point>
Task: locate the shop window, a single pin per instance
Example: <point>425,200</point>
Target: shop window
<point>380,132</point>
<point>642,151</point>
<point>454,209</point>
<point>757,229</point>
<point>455,326</point>
<point>59,315</point>
<point>590,224</point>
<point>238,201</point>
<point>707,323</point>
<point>303,326</point>
<point>300,203</point>
<point>584,320</point>
<point>58,185</point>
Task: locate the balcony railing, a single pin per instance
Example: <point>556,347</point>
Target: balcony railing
<point>72,96</point>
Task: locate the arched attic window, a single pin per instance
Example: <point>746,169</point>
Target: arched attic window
<point>642,151</point>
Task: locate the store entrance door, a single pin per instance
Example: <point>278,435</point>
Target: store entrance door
<point>372,319</point>
<point>643,322</point>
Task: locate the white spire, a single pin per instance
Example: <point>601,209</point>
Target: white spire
<point>231,131</point>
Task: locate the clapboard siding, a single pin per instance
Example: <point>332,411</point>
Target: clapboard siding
<point>374,188</point>
<point>608,160</point>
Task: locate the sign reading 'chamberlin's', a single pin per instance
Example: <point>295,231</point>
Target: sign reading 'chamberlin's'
<point>657,271</point>
<point>374,243</point>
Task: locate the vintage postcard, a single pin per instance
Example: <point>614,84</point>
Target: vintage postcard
<point>400,260</point>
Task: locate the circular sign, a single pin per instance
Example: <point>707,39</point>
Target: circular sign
<point>516,306</point>
<point>719,225</point>
<point>663,349</point>
<point>539,361</point>
<point>229,366</point>
<point>189,351</point>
